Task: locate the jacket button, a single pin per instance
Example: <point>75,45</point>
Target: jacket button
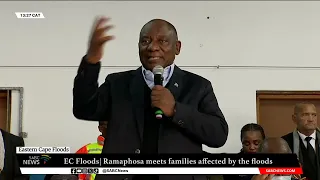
<point>137,151</point>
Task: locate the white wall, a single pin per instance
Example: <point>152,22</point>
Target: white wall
<point>236,34</point>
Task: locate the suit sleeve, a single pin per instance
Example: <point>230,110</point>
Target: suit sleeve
<point>18,142</point>
<point>206,123</point>
<point>90,102</point>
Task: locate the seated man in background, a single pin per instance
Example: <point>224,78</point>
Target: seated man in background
<point>277,146</point>
<point>305,140</point>
<point>9,165</point>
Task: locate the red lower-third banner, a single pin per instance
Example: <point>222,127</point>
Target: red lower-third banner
<point>280,170</point>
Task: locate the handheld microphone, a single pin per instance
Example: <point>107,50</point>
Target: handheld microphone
<point>158,80</point>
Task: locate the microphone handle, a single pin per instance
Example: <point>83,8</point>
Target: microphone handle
<point>158,80</point>
<point>158,113</point>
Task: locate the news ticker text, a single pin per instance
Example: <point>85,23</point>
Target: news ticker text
<point>164,170</point>
<point>159,160</point>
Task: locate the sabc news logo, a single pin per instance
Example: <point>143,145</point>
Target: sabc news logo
<point>37,160</point>
<point>45,158</point>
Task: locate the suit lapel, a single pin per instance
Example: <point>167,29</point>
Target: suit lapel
<point>137,87</point>
<point>176,82</point>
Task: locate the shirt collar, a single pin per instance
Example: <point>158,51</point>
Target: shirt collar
<point>303,137</point>
<point>167,72</point>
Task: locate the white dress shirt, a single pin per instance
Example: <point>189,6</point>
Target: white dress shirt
<point>2,151</point>
<point>149,76</point>
<point>312,141</point>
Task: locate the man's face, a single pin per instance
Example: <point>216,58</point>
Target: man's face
<point>306,118</point>
<point>158,45</point>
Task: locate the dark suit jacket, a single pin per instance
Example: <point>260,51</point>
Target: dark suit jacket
<point>120,100</point>
<point>308,171</point>
<point>11,170</point>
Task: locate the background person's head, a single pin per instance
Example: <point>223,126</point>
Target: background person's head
<point>103,127</point>
<point>305,117</point>
<point>275,145</point>
<point>278,146</point>
<point>158,44</point>
<point>251,136</point>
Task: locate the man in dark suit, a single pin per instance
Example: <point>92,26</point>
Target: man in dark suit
<point>10,169</point>
<point>304,141</point>
<point>192,116</point>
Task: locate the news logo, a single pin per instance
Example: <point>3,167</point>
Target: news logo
<point>36,160</point>
<point>45,158</point>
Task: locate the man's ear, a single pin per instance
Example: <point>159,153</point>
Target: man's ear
<point>294,118</point>
<point>178,47</point>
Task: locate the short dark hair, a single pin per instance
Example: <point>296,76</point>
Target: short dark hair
<point>298,107</point>
<point>252,127</point>
<point>169,25</point>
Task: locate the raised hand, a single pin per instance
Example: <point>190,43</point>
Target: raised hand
<point>98,39</point>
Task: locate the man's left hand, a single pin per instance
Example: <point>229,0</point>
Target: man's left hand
<point>162,98</point>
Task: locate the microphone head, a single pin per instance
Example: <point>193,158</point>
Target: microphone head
<point>157,70</point>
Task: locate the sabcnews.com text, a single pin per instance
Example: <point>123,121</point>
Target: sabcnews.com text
<point>280,170</point>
